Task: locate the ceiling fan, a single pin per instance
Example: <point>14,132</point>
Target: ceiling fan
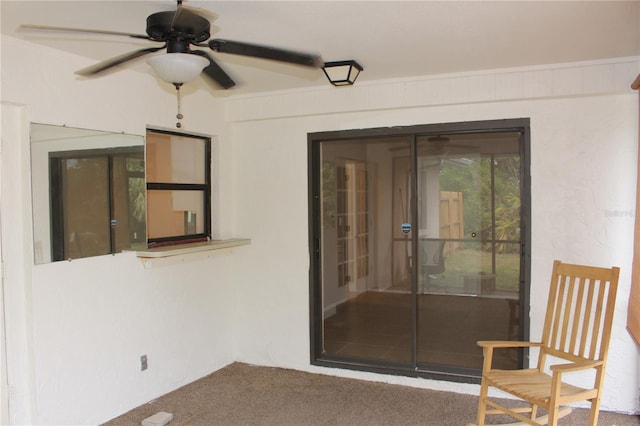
<point>438,142</point>
<point>180,31</point>
<point>437,145</point>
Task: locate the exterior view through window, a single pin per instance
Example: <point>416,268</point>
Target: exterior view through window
<point>419,244</point>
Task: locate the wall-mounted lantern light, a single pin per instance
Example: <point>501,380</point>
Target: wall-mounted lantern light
<point>342,73</point>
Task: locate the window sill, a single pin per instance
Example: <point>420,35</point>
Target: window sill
<point>191,248</point>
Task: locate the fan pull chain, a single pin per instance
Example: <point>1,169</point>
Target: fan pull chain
<point>179,115</point>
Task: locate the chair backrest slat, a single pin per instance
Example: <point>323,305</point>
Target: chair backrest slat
<point>608,319</point>
<point>597,323</point>
<point>556,310</point>
<point>567,287</point>
<point>577,319</point>
<point>587,319</point>
<point>580,311</point>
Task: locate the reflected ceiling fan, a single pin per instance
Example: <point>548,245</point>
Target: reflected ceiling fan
<point>443,145</point>
<point>438,142</point>
<point>179,31</point>
<point>438,145</point>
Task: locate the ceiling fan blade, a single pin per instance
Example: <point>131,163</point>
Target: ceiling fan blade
<point>82,30</point>
<point>215,72</point>
<point>112,62</point>
<point>265,52</point>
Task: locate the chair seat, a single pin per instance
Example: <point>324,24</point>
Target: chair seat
<point>533,386</point>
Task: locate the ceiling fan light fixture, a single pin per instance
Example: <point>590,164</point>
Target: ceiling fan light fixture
<point>178,68</point>
<point>342,73</point>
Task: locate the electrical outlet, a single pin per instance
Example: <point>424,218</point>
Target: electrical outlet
<point>143,363</point>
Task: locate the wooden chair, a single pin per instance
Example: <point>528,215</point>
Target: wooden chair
<point>576,332</point>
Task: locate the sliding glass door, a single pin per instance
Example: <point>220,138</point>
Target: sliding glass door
<point>418,244</point>
<point>469,246</point>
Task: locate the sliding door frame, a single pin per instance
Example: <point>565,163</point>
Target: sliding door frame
<point>314,141</point>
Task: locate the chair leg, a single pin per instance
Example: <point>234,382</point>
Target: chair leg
<point>553,416</point>
<point>595,411</point>
<point>482,402</point>
<point>534,411</point>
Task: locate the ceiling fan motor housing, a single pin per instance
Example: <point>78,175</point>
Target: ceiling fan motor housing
<point>179,29</point>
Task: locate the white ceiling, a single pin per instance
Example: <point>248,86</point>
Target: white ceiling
<point>391,39</point>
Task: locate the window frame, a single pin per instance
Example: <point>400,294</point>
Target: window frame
<point>205,188</point>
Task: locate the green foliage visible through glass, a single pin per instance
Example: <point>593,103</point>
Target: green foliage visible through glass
<point>501,223</point>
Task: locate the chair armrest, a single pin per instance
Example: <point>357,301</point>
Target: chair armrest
<point>575,366</point>
<point>489,345</point>
<point>506,344</point>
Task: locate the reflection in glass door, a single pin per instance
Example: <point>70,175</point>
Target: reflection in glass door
<point>417,244</point>
<point>469,246</point>
<point>97,202</point>
<point>402,172</point>
<point>364,316</point>
<point>351,224</point>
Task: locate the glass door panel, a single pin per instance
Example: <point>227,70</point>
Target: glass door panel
<point>366,258</point>
<point>468,245</point>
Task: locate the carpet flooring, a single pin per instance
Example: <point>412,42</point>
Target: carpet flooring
<point>241,394</point>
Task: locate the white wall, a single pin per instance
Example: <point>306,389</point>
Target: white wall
<point>583,166</point>
<point>77,329</point>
